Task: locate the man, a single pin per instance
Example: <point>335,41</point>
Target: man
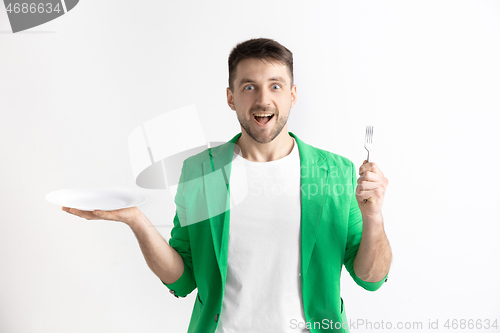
<point>265,221</point>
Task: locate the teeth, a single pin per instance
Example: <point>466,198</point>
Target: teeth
<point>263,114</point>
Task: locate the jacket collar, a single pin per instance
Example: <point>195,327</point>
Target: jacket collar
<point>314,175</point>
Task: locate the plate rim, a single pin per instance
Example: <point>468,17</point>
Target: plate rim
<point>140,198</point>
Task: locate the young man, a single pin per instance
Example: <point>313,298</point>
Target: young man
<point>265,221</point>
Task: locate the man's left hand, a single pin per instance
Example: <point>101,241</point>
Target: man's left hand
<point>371,186</point>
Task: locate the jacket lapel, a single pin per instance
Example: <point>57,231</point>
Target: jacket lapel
<point>314,177</point>
<point>216,176</point>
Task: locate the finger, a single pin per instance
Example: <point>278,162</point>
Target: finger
<point>372,181</point>
<point>373,188</point>
<point>361,194</point>
<point>364,167</point>
<point>361,169</point>
<point>369,176</point>
<point>367,166</point>
<point>83,214</point>
<point>374,194</point>
<point>371,166</point>
<point>366,185</point>
<point>364,195</point>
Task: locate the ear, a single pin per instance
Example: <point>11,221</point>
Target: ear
<point>293,94</point>
<point>230,100</point>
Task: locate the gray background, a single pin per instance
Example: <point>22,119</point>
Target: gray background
<point>424,73</point>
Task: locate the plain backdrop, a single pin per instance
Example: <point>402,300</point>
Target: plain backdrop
<point>424,73</point>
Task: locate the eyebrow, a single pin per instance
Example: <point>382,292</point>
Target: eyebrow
<point>275,78</point>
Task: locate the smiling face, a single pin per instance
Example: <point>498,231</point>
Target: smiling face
<point>262,87</point>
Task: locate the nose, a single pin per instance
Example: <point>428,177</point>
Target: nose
<point>264,99</point>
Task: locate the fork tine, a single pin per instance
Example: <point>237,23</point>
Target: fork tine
<point>368,140</point>
<point>368,144</point>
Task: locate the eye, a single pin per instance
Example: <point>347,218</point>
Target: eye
<point>276,86</point>
<point>249,88</point>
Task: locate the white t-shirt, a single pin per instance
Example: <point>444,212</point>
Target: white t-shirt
<point>263,289</point>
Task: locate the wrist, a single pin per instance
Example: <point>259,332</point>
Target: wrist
<point>373,219</point>
<point>137,219</point>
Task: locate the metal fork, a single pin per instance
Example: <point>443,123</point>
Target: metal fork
<point>368,141</point>
<point>368,144</point>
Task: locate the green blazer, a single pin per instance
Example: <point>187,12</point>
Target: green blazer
<point>331,228</point>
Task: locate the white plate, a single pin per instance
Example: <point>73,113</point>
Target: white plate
<point>91,199</point>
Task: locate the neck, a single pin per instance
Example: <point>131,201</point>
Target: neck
<point>254,151</point>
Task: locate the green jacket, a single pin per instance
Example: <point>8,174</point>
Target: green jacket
<point>331,228</point>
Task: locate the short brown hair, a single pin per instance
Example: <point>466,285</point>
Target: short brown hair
<point>259,48</point>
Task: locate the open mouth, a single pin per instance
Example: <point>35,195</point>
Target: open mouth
<point>263,119</point>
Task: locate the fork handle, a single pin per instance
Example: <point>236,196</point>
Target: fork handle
<point>367,161</point>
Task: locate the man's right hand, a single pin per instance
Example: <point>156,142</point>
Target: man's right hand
<point>125,215</point>
<point>161,258</point>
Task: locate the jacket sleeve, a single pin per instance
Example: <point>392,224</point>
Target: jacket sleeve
<point>354,232</point>
<point>180,241</point>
